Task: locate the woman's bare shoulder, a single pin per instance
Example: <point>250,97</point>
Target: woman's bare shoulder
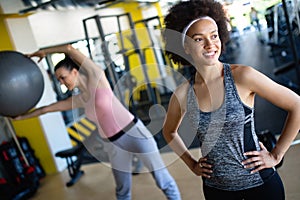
<point>242,72</point>
<point>182,89</point>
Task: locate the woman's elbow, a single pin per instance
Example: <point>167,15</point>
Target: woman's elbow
<point>69,48</point>
<point>168,135</point>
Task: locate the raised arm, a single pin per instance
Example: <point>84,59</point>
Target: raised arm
<point>79,58</point>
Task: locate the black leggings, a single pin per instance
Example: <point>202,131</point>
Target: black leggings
<point>272,189</point>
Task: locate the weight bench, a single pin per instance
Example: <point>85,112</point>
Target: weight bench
<point>73,166</point>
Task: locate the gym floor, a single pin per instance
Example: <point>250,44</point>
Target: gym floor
<point>98,182</point>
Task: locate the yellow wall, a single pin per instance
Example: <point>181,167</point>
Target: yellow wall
<point>32,130</point>
<point>5,43</point>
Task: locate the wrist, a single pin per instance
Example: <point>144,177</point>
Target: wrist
<point>190,162</point>
<point>43,52</point>
<point>277,154</point>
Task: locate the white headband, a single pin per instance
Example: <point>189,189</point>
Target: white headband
<point>185,30</point>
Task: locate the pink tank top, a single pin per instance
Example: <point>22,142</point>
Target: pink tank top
<point>109,114</point>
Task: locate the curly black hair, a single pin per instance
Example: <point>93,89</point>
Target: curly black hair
<point>180,15</point>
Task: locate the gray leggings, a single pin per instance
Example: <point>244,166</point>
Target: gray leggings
<point>140,142</point>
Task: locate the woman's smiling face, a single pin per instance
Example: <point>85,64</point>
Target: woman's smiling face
<point>203,42</point>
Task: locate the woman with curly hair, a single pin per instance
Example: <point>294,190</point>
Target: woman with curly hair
<point>218,100</point>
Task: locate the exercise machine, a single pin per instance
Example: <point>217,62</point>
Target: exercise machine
<point>283,22</point>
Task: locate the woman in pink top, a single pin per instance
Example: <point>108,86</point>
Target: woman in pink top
<point>124,134</point>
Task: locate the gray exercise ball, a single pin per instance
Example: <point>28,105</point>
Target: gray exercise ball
<point>21,83</point>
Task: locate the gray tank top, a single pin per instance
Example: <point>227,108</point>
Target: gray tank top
<point>224,135</point>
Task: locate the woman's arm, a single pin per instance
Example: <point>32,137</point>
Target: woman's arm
<point>62,105</point>
<point>94,71</point>
<point>171,125</point>
<point>78,57</point>
<point>283,98</point>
